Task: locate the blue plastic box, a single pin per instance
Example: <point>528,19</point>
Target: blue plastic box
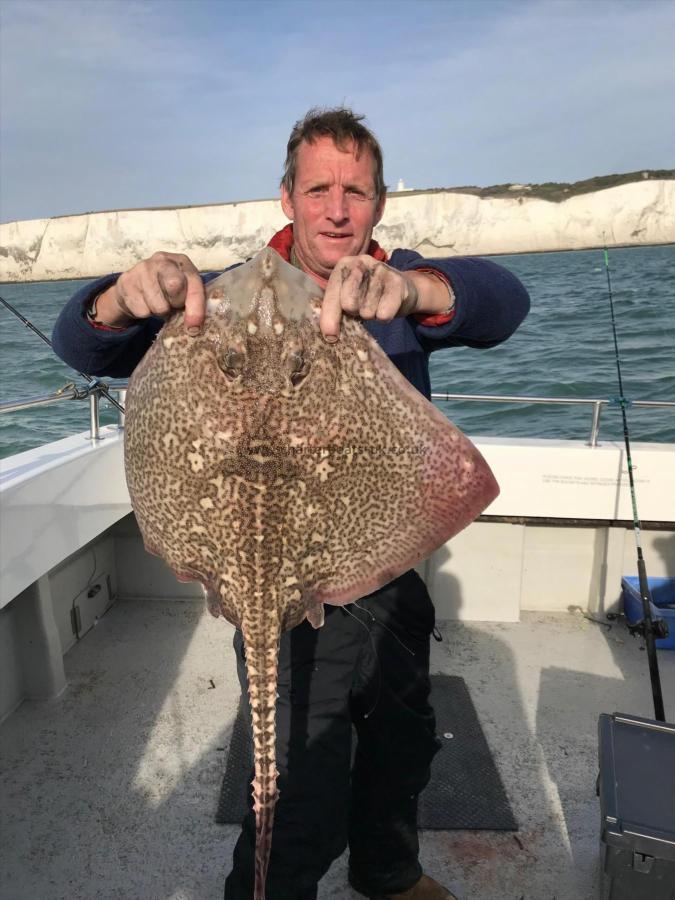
<point>662,591</point>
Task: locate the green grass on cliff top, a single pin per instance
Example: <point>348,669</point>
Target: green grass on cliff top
<point>555,191</point>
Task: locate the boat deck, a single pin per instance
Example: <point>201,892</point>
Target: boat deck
<point>110,790</point>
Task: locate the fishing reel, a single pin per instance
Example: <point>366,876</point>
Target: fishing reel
<point>659,628</point>
<point>94,386</point>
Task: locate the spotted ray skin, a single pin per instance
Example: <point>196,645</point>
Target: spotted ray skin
<point>284,472</point>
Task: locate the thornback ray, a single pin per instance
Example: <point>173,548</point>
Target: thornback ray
<point>284,472</point>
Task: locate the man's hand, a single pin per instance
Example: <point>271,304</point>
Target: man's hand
<point>365,287</point>
<point>155,287</point>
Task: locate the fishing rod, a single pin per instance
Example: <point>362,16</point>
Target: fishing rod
<point>647,627</point>
<point>94,384</point>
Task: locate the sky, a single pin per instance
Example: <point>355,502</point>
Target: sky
<point>112,104</point>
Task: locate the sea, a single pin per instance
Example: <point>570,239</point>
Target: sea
<point>564,348</point>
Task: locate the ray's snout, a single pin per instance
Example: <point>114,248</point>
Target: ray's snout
<point>265,293</point>
<point>267,260</point>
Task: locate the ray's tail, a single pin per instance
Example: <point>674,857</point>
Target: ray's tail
<point>262,651</point>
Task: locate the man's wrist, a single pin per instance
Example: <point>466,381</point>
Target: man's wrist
<point>103,311</point>
<point>435,296</point>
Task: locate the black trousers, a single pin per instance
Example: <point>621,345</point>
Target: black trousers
<point>367,666</point>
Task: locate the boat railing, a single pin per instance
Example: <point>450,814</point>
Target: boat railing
<point>97,390</point>
<point>597,404</point>
<point>93,393</point>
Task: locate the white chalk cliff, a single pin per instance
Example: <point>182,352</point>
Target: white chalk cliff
<point>436,223</point>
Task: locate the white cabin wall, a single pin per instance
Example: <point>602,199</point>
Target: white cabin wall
<point>493,570</point>
<point>140,574</point>
<point>658,548</point>
<point>35,627</point>
<point>33,668</point>
<point>477,575</point>
<point>92,567</point>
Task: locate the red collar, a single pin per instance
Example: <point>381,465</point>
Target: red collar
<point>282,242</point>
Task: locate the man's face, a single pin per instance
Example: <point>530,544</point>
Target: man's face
<point>333,205</point>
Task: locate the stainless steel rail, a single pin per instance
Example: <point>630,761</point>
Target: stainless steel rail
<point>596,403</point>
<point>71,392</point>
<point>120,388</point>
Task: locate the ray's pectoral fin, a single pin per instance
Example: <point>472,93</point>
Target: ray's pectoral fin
<point>402,481</point>
<point>315,615</point>
<point>151,548</point>
<point>212,601</point>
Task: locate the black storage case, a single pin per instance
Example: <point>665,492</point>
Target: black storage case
<point>636,786</point>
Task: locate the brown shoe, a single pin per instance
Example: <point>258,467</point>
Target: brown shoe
<point>425,889</point>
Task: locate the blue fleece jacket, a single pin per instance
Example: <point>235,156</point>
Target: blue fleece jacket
<point>490,304</point>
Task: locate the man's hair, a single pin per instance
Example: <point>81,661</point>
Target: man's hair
<point>343,126</point>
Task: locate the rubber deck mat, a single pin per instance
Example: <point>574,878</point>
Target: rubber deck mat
<point>465,790</point>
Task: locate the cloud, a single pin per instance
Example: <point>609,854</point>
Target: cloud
<point>550,91</point>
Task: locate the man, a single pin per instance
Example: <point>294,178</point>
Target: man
<point>368,666</point>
